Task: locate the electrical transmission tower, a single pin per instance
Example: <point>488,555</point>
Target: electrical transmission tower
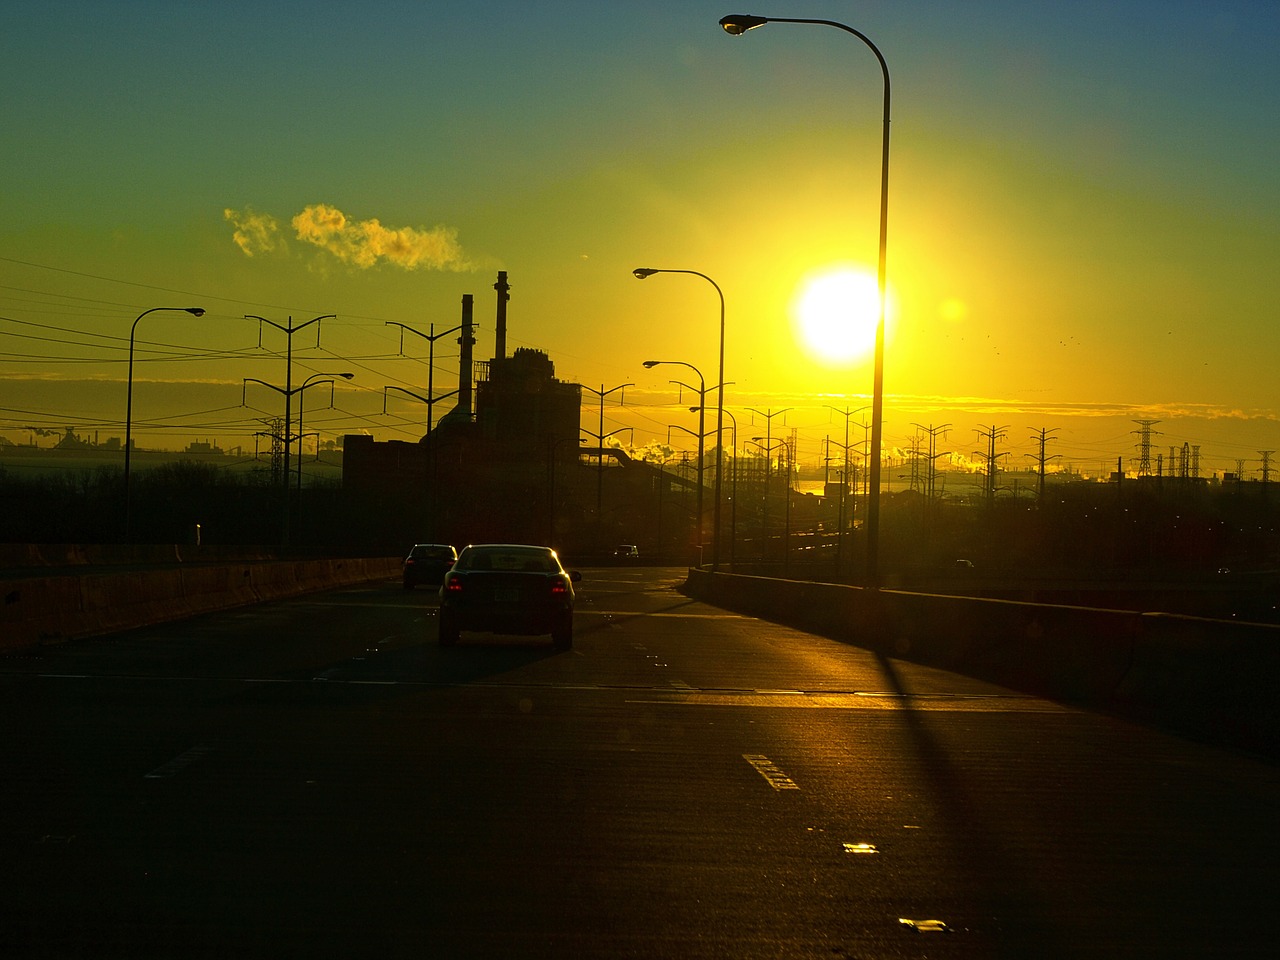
<point>792,442</point>
<point>931,471</point>
<point>991,458</point>
<point>1144,445</point>
<point>274,433</point>
<point>1042,437</point>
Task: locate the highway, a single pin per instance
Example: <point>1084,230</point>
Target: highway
<point>316,778</point>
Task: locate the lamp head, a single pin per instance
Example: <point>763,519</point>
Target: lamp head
<point>642,272</point>
<point>195,311</point>
<point>736,24</point>
<point>650,364</point>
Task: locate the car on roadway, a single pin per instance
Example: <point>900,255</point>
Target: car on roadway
<point>514,588</point>
<point>428,563</point>
<point>627,551</point>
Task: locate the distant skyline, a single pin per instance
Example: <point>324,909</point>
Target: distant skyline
<point>1083,213</point>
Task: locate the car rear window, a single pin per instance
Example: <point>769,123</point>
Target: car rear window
<point>527,561</point>
<point>433,553</point>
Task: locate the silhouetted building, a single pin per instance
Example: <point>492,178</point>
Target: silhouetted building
<point>490,467</point>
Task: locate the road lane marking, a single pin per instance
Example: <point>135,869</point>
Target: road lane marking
<point>808,700</point>
<point>637,614</point>
<point>177,764</point>
<point>925,926</point>
<point>583,608</point>
<point>769,770</point>
<point>675,693</point>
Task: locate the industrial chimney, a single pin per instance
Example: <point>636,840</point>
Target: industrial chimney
<point>466,342</point>
<point>500,338</point>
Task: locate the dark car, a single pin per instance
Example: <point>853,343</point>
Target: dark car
<point>428,563</point>
<point>508,588</point>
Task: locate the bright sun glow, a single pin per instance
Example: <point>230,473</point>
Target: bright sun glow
<point>835,315</point>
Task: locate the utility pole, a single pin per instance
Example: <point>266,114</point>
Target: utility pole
<point>768,440</point>
<point>991,458</point>
<point>845,476</point>
<point>289,330</point>
<point>1042,437</point>
<point>599,438</point>
<point>431,338</point>
<point>931,457</point>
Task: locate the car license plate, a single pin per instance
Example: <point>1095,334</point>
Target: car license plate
<point>506,596</point>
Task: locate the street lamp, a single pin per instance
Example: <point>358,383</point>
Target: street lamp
<point>128,409</point>
<point>301,392</point>
<point>736,25</point>
<point>640,274</point>
<point>702,434</point>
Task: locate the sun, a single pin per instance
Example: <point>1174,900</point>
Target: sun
<point>835,313</point>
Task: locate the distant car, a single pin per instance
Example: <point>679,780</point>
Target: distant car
<point>627,551</point>
<point>508,588</point>
<point>428,563</point>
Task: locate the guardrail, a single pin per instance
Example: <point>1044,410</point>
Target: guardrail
<point>1209,679</point>
<point>70,605</point>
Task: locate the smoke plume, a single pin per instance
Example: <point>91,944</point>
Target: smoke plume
<point>365,243</point>
<point>254,232</point>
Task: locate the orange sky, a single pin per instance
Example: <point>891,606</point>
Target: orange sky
<point>1082,213</point>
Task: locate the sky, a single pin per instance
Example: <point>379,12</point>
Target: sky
<point>1082,217</point>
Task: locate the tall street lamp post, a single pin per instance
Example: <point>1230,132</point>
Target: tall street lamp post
<point>702,435</point>
<point>128,409</point>
<point>736,25</point>
<point>640,274</point>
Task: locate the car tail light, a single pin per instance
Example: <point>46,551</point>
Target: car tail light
<point>558,587</point>
<point>453,584</point>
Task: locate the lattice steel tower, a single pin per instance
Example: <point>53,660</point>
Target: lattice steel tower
<point>1144,445</point>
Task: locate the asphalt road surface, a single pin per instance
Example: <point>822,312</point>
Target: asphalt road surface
<point>316,778</point>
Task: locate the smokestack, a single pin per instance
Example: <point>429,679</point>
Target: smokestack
<point>500,338</point>
<point>466,342</point>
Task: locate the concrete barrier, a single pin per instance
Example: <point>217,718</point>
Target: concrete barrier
<point>1210,679</point>
<point>31,610</point>
<point>36,610</point>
